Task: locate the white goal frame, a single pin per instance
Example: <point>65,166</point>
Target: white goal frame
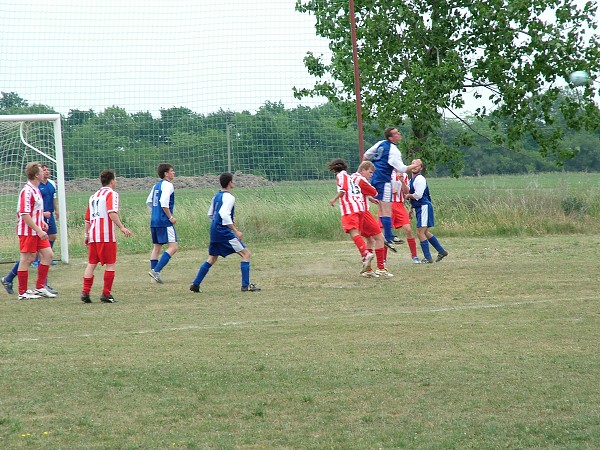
<point>60,169</point>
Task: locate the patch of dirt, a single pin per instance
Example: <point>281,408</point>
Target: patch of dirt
<point>136,184</point>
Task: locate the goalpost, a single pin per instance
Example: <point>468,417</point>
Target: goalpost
<point>23,139</point>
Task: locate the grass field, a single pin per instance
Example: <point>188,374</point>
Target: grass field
<point>494,347</point>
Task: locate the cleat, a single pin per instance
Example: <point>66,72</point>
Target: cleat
<point>195,288</point>
<point>427,261</point>
<point>366,262</point>
<point>53,262</point>
<point>85,298</point>
<point>370,273</point>
<point>416,260</point>
<point>441,256</point>
<point>8,286</point>
<point>51,289</point>
<point>28,295</point>
<point>155,276</point>
<point>43,292</point>
<point>250,288</point>
<point>107,299</point>
<point>383,273</point>
<point>391,246</point>
<point>397,240</point>
<point>35,264</point>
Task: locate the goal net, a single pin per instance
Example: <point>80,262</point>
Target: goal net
<point>23,139</point>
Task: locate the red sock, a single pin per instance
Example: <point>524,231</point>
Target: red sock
<point>23,276</point>
<point>380,254</point>
<point>109,278</point>
<point>87,285</point>
<point>360,244</point>
<point>412,245</point>
<point>42,275</point>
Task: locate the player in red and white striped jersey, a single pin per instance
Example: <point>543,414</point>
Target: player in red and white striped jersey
<point>352,207</point>
<point>33,237</point>
<point>369,227</point>
<point>101,217</point>
<point>400,217</point>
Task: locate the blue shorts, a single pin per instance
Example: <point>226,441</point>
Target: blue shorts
<point>384,191</point>
<point>163,235</point>
<point>225,248</point>
<point>51,221</point>
<point>424,215</point>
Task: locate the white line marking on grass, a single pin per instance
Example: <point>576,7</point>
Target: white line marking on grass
<point>278,321</point>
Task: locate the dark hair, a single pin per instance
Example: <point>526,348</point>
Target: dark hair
<point>388,132</point>
<point>225,179</point>
<point>337,165</point>
<point>107,176</point>
<point>163,168</point>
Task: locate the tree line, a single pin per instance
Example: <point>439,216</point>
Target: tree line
<point>282,144</point>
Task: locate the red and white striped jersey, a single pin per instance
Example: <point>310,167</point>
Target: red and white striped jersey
<point>397,179</point>
<point>102,228</point>
<point>366,189</point>
<point>30,202</point>
<point>352,200</point>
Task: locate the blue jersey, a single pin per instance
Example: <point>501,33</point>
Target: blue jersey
<point>48,191</point>
<point>419,185</point>
<point>161,196</point>
<point>386,157</point>
<point>221,212</point>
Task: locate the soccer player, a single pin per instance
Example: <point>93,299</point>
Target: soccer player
<point>101,216</point>
<point>386,156</point>
<point>369,228</point>
<point>47,188</point>
<point>161,202</point>
<point>225,238</point>
<point>33,237</point>
<point>421,202</point>
<point>400,217</point>
<point>352,207</point>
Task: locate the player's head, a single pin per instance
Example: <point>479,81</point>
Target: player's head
<point>225,179</point>
<point>392,134</point>
<point>107,176</point>
<point>366,169</point>
<point>337,165</point>
<point>46,170</point>
<point>420,166</point>
<point>32,169</point>
<point>163,168</point>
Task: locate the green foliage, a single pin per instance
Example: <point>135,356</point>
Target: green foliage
<point>420,59</point>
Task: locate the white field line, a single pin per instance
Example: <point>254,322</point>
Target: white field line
<point>278,321</point>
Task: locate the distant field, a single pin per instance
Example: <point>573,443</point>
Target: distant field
<point>523,205</point>
<point>494,347</point>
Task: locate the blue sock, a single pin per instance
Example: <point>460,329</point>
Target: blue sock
<point>388,234</point>
<point>204,268</point>
<point>436,244</point>
<point>245,268</point>
<point>162,262</point>
<point>153,263</point>
<point>425,248</point>
<point>12,274</point>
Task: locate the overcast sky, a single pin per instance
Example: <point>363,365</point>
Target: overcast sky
<point>145,55</point>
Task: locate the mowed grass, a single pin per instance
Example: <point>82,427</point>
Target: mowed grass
<point>494,347</point>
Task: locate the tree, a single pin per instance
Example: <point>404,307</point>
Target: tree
<point>11,100</point>
<point>419,59</point>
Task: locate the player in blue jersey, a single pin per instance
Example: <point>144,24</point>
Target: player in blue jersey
<point>386,157</point>
<point>161,202</point>
<point>420,201</point>
<point>225,238</point>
